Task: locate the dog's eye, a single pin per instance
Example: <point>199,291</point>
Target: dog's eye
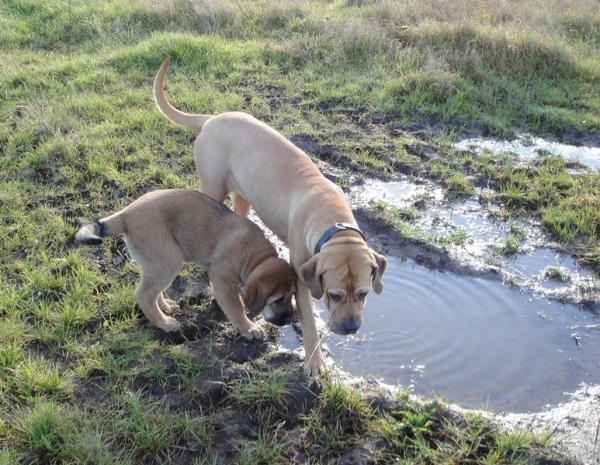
<point>278,301</point>
<point>335,297</point>
<point>361,295</point>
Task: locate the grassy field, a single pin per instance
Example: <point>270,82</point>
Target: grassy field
<point>375,87</point>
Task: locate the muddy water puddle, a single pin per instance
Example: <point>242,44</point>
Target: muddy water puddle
<point>474,342</point>
<point>507,346</point>
<point>477,343</point>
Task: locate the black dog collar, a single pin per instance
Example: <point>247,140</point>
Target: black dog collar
<point>334,229</point>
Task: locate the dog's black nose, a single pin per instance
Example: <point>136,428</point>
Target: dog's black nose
<point>351,327</point>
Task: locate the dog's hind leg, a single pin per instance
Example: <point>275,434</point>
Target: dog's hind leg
<point>148,294</point>
<point>240,205</point>
<point>214,190</point>
<point>166,305</point>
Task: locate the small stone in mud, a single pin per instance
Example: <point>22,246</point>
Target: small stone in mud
<point>158,392</point>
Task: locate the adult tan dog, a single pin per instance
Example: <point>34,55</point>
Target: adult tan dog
<point>165,228</point>
<point>235,153</point>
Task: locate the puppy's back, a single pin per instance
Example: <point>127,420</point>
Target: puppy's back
<point>203,230</point>
<point>161,211</point>
<point>207,230</point>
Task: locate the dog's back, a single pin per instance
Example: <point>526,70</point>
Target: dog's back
<point>235,153</point>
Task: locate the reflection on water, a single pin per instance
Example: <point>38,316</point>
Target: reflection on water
<point>474,342</point>
<point>441,217</point>
<point>526,146</point>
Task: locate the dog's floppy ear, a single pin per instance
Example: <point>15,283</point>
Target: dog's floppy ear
<point>378,271</point>
<point>310,275</point>
<point>254,296</point>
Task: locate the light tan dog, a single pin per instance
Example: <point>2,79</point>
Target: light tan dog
<point>235,153</point>
<point>165,228</point>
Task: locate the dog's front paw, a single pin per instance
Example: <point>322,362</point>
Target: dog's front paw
<point>170,325</point>
<point>252,333</point>
<point>167,305</point>
<point>315,366</point>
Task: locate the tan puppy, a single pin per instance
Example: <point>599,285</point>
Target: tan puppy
<point>164,229</point>
<point>235,153</point>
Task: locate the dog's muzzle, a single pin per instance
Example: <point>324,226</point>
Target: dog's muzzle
<point>347,327</point>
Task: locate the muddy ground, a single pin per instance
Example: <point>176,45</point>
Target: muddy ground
<point>574,426</point>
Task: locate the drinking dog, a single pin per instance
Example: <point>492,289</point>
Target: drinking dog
<point>239,155</point>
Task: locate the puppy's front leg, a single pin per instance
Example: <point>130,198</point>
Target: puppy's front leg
<point>229,300</point>
<point>314,363</point>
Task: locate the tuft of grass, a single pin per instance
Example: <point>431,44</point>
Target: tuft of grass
<point>557,275</point>
<point>41,428</point>
<point>37,378</point>
<point>261,394</point>
<point>399,218</point>
<point>513,241</point>
<point>458,185</point>
<point>341,416</point>
<point>268,447</point>
<point>404,221</point>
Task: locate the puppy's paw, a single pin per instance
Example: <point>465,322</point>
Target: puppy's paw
<point>170,325</point>
<point>252,333</point>
<point>315,366</point>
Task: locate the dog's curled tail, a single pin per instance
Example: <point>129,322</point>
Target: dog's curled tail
<point>184,119</point>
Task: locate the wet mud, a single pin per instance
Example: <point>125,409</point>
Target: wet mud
<point>209,338</point>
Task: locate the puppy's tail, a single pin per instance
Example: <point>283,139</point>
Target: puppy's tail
<point>184,119</point>
<point>94,233</point>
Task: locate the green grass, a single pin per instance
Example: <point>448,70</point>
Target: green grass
<point>405,220</point>
<point>566,203</point>
<point>260,394</point>
<point>81,371</point>
<point>126,431</point>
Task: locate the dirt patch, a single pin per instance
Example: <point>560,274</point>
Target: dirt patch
<point>212,341</point>
<point>580,138</point>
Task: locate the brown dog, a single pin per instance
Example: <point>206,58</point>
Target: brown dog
<point>235,153</point>
<point>164,229</point>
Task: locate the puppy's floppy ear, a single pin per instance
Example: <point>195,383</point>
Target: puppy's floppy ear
<point>311,276</point>
<point>378,271</point>
<point>254,296</point>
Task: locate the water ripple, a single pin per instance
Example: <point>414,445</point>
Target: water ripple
<point>474,342</point>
